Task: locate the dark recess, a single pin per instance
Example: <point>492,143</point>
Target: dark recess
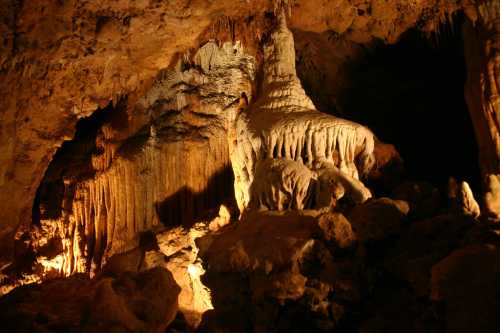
<point>72,160</point>
<point>411,94</point>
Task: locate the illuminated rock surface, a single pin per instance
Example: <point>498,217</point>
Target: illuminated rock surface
<point>249,166</point>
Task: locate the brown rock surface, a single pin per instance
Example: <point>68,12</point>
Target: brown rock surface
<point>492,197</point>
<point>143,302</point>
<point>481,90</point>
<point>424,199</point>
<point>378,218</point>
<point>275,262</point>
<point>424,244</point>
<point>149,97</point>
<point>466,282</point>
<point>63,60</point>
<point>337,229</point>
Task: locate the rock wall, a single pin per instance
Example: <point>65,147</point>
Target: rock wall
<point>482,51</point>
<point>62,60</point>
<point>172,170</point>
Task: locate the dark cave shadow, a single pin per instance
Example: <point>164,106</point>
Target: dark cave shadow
<point>416,87</point>
<point>73,160</point>
<point>411,94</point>
<point>185,207</point>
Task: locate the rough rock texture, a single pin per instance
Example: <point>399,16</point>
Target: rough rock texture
<point>281,184</point>
<point>482,54</point>
<point>295,271</point>
<point>178,253</point>
<point>471,303</point>
<point>492,197</point>
<point>424,199</point>
<point>63,60</point>
<point>337,181</point>
<point>175,96</point>
<point>378,218</point>
<point>462,199</point>
<point>423,244</point>
<point>283,123</point>
<point>144,302</point>
<point>170,170</point>
<point>273,264</point>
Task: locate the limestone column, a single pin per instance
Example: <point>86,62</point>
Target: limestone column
<point>482,89</point>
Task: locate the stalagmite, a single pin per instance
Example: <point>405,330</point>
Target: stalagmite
<point>283,123</point>
<point>482,55</point>
<point>492,197</point>
<point>462,199</point>
<point>467,204</point>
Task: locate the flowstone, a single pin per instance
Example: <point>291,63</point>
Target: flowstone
<point>283,123</point>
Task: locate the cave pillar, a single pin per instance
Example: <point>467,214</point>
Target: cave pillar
<point>482,88</point>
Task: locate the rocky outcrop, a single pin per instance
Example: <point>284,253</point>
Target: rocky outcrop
<point>281,184</point>
<point>424,198</point>
<point>62,61</point>
<point>167,166</point>
<point>462,199</point>
<point>341,185</point>
<point>175,88</point>
<point>378,218</point>
<point>283,123</point>
<point>178,253</point>
<point>470,302</point>
<point>274,264</point>
<point>144,302</point>
<point>481,91</point>
<point>492,197</point>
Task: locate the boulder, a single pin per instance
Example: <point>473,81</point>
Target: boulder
<point>378,218</point>
<point>423,198</point>
<point>129,302</point>
<point>424,244</point>
<point>337,229</point>
<point>466,283</point>
<point>492,197</point>
<point>272,266</point>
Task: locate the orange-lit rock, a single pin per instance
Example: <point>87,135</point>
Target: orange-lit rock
<point>144,302</point>
<point>378,218</point>
<point>61,61</point>
<point>203,164</point>
<point>466,283</point>
<point>481,91</point>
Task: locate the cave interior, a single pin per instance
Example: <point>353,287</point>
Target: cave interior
<point>274,173</point>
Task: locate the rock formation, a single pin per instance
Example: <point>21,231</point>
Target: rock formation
<point>144,302</point>
<point>283,123</point>
<point>482,54</point>
<point>492,197</point>
<point>132,187</point>
<point>281,184</point>
<point>462,198</point>
<point>284,263</point>
<point>201,166</point>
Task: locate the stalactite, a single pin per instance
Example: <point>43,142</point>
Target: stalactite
<point>120,202</point>
<point>168,173</point>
